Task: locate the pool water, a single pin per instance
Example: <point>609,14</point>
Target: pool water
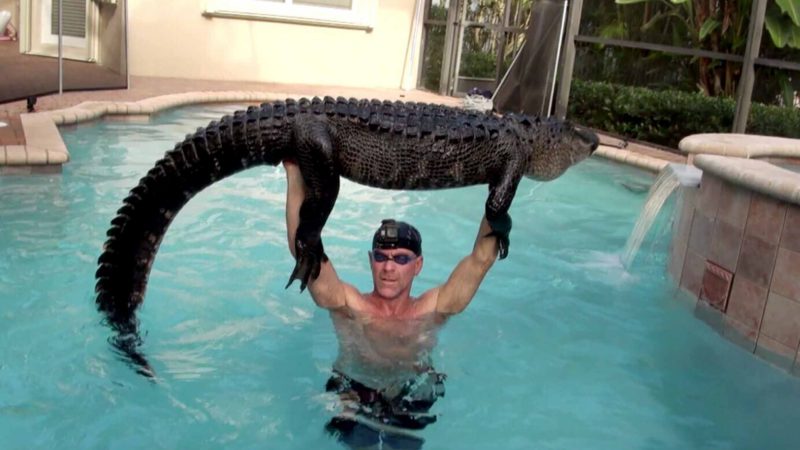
<point>561,348</point>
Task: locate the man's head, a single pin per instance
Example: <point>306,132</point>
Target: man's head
<point>395,259</point>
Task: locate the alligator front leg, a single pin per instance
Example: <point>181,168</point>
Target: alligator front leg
<point>500,197</point>
<point>315,159</point>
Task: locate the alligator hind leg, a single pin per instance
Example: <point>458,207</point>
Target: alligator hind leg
<point>315,159</point>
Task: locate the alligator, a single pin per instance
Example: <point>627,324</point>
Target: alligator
<point>383,144</point>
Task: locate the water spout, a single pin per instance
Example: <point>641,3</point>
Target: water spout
<point>688,176</point>
<point>668,180</point>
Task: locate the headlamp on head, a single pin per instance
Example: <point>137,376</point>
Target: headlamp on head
<point>388,231</point>
<point>393,234</point>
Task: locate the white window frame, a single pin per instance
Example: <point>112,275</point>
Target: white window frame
<point>70,41</point>
<point>361,15</point>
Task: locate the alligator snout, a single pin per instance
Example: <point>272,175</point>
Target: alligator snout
<point>589,138</point>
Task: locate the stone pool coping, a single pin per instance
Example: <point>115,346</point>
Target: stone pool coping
<point>45,152</point>
<point>734,158</point>
<point>740,145</point>
<point>759,176</point>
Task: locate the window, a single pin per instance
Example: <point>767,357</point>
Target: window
<point>358,14</point>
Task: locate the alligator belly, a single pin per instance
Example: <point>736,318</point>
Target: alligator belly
<point>398,170</point>
<point>411,180</point>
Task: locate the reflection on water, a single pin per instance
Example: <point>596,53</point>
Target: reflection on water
<point>30,65</point>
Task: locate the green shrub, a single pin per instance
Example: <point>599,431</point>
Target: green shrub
<point>478,64</point>
<point>665,117</point>
<point>774,121</point>
<point>432,58</point>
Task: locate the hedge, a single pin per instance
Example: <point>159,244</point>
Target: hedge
<point>665,117</point>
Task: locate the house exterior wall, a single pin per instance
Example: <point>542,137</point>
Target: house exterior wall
<point>111,36</point>
<point>174,39</point>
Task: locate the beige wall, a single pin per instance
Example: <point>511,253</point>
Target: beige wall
<point>173,39</point>
<point>110,37</point>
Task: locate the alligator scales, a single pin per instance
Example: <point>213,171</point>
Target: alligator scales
<point>391,145</point>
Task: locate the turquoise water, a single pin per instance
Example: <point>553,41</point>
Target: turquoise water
<point>561,348</point>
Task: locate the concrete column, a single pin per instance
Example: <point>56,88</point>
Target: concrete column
<point>745,90</point>
<point>568,64</point>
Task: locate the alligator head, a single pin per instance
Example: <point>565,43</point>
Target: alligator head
<point>556,146</point>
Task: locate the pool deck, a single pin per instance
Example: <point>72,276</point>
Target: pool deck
<point>31,143</point>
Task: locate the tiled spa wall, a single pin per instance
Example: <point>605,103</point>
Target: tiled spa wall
<point>737,252</point>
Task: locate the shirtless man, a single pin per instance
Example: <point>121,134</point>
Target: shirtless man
<point>384,368</point>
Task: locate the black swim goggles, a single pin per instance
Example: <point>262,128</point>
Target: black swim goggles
<point>401,259</point>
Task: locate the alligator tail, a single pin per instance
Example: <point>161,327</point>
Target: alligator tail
<point>256,137</point>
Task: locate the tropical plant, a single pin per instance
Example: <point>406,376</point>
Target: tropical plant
<point>481,45</point>
<point>717,25</point>
<point>783,23</point>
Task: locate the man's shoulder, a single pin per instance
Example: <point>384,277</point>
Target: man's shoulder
<point>426,303</point>
<point>430,294</point>
<point>355,299</point>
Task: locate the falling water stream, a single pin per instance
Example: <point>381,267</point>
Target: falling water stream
<point>672,176</point>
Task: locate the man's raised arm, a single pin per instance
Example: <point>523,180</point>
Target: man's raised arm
<point>327,290</point>
<point>456,293</point>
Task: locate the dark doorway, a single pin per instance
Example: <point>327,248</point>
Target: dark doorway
<point>471,43</point>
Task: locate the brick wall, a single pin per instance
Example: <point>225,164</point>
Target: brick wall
<point>738,253</point>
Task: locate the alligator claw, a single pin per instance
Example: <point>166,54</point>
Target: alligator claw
<point>501,227</point>
<point>502,242</point>
<point>309,262</point>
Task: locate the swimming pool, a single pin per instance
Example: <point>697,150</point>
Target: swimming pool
<point>561,348</point>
